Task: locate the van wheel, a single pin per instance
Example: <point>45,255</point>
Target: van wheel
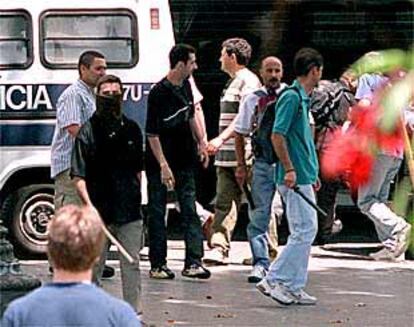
<point>27,213</point>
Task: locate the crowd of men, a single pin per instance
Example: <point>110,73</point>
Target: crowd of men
<point>268,155</point>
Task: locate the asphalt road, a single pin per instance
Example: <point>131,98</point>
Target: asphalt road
<point>352,291</point>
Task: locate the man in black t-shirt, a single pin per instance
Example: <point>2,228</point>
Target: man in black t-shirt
<point>170,158</point>
<point>107,162</point>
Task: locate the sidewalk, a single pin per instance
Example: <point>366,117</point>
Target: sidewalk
<point>352,291</point>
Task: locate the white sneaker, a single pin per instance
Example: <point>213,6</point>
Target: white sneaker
<point>303,298</point>
<point>277,292</point>
<point>403,240</point>
<point>215,257</point>
<point>264,287</point>
<point>280,294</point>
<point>384,254</point>
<point>257,274</point>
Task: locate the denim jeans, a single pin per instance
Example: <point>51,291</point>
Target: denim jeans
<point>372,197</point>
<point>263,189</point>
<point>157,231</point>
<point>130,237</point>
<point>291,266</point>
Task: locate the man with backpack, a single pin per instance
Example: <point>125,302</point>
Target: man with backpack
<point>330,104</point>
<point>256,120</point>
<point>297,168</point>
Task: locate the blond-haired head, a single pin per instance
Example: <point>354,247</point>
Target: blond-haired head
<point>75,239</point>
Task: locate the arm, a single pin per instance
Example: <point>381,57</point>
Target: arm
<point>199,134</point>
<point>200,120</point>
<point>80,185</point>
<point>215,144</point>
<point>279,145</point>
<point>241,170</point>
<point>167,176</point>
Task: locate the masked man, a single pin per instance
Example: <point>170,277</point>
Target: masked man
<point>106,166</point>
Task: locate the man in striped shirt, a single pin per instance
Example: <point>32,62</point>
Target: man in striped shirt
<point>74,107</point>
<point>235,56</point>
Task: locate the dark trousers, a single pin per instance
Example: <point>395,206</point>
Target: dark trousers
<point>157,201</point>
<point>326,199</point>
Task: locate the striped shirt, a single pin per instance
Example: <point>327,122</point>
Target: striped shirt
<point>244,83</point>
<point>74,107</point>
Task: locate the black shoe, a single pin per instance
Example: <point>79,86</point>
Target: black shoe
<point>196,271</point>
<point>108,272</point>
<point>162,272</point>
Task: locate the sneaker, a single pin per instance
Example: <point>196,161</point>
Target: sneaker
<point>384,254</point>
<point>403,240</point>
<point>215,257</point>
<point>108,272</point>
<point>162,272</point>
<point>280,294</point>
<point>264,287</point>
<point>257,274</point>
<point>196,271</point>
<point>303,298</point>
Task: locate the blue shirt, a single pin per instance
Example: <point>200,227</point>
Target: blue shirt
<point>293,123</point>
<point>75,106</point>
<point>69,304</point>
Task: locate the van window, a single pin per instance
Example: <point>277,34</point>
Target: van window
<point>15,39</point>
<point>65,35</point>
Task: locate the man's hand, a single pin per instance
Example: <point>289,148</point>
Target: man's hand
<point>167,177</point>
<point>203,154</point>
<point>241,174</point>
<point>290,178</point>
<point>317,185</point>
<point>214,145</point>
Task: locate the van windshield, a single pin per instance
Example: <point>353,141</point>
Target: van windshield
<point>15,40</point>
<point>64,36</point>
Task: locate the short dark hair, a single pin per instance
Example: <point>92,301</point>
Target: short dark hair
<point>305,60</point>
<point>240,47</point>
<point>108,79</point>
<point>87,58</point>
<point>180,52</point>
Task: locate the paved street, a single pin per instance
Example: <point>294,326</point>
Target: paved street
<point>352,291</point>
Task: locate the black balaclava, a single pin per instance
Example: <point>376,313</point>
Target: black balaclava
<point>109,110</point>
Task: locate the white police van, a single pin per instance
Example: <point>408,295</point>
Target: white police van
<point>40,43</point>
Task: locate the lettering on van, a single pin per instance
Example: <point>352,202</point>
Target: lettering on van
<point>24,97</point>
<point>39,101</point>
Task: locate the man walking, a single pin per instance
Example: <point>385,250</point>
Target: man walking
<point>251,116</point>
<point>298,167</point>
<point>235,56</point>
<point>107,162</point>
<point>170,159</point>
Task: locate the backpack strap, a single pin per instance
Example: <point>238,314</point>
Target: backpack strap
<point>297,91</point>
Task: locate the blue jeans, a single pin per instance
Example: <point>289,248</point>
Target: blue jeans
<point>373,196</point>
<point>157,231</point>
<point>291,267</point>
<point>263,189</point>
